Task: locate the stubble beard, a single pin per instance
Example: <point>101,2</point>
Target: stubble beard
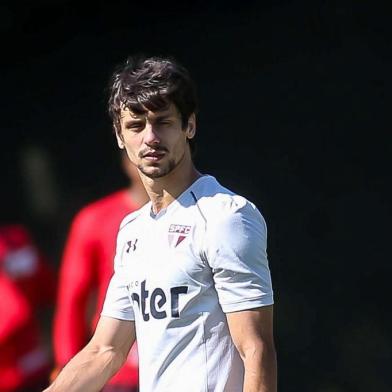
<point>161,172</point>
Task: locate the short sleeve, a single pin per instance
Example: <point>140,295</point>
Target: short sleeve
<point>237,254</point>
<point>117,302</point>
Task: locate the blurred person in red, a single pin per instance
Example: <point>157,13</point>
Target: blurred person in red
<point>85,272</point>
<point>27,285</point>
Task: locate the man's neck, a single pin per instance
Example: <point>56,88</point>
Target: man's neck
<point>163,191</point>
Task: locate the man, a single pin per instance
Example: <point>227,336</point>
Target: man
<point>191,273</point>
<point>86,269</point>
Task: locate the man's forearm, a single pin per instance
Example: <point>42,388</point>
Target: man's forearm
<point>260,371</point>
<point>88,371</point>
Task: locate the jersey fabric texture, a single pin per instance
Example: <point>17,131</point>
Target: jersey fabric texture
<point>177,273</point>
<point>27,284</point>
<point>86,269</point>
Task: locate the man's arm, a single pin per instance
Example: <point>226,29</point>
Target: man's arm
<point>252,334</point>
<point>99,360</point>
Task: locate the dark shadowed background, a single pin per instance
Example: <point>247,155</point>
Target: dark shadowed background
<point>293,115</point>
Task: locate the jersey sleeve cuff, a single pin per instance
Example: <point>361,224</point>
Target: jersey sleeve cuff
<point>118,315</point>
<point>247,304</point>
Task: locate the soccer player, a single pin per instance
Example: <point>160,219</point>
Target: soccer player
<point>191,277</point>
<point>86,269</point>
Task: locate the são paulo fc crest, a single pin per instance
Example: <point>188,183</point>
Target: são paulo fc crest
<point>177,234</point>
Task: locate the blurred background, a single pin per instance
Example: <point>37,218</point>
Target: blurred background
<point>293,115</point>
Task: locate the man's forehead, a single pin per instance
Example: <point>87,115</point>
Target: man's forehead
<point>167,111</point>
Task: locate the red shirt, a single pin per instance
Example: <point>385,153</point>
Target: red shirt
<point>86,269</point>
<point>26,283</point>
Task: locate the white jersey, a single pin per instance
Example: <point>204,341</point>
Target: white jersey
<point>177,273</point>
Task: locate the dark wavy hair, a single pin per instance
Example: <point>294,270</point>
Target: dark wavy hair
<point>151,83</point>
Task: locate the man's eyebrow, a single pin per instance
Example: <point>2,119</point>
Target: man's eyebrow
<point>132,120</point>
<point>161,116</point>
<point>135,116</point>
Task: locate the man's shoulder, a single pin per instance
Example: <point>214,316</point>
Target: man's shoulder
<point>216,201</point>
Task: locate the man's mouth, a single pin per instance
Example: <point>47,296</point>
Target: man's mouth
<point>153,155</point>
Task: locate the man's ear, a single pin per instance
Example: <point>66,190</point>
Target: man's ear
<point>191,128</point>
<point>120,140</point>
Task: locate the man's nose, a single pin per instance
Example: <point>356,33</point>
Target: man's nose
<point>151,135</point>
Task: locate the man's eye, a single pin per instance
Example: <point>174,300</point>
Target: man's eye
<point>135,127</point>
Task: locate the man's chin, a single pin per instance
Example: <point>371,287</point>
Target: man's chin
<point>158,170</point>
<point>153,172</point>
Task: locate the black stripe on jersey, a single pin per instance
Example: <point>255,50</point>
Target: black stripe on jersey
<point>198,207</point>
<point>126,223</point>
<point>202,255</point>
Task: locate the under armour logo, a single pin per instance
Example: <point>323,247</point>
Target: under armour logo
<point>131,246</point>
